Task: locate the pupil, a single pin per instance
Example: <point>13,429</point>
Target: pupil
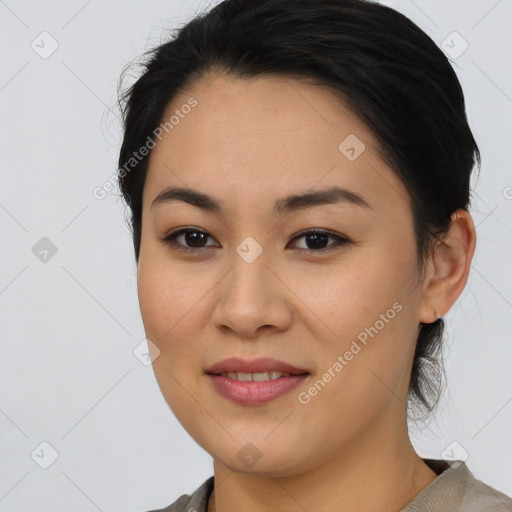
<point>316,236</point>
<point>194,236</point>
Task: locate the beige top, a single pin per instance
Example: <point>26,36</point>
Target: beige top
<point>455,489</point>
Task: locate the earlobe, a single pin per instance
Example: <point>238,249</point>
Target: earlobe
<point>449,267</point>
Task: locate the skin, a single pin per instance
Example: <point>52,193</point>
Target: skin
<point>248,143</point>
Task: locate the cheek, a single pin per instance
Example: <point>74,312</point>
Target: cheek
<point>367,318</point>
<point>175,312</point>
<point>350,296</point>
<point>168,299</point>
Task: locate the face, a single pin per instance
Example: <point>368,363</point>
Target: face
<point>327,286</point>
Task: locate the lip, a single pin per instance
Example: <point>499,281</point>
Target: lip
<point>262,364</point>
<point>255,392</point>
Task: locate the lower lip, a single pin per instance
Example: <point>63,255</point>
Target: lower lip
<point>255,392</point>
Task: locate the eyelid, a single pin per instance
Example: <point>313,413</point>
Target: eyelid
<point>340,239</point>
<point>170,239</point>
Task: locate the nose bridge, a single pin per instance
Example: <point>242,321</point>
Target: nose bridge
<point>249,294</point>
<point>249,275</point>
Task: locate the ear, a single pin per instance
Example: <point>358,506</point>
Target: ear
<point>448,268</point>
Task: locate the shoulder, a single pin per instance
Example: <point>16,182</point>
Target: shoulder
<point>195,502</point>
<point>479,496</point>
<point>456,489</point>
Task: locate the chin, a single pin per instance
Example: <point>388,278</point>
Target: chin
<point>258,458</point>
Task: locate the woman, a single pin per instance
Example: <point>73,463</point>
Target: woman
<point>298,177</point>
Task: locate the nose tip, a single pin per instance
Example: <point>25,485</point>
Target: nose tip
<point>251,300</point>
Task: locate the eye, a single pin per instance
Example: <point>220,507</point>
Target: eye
<point>316,239</point>
<point>197,238</point>
<point>193,236</point>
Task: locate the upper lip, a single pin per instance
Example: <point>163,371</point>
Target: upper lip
<point>262,364</point>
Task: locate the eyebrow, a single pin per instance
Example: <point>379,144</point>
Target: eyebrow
<point>303,200</point>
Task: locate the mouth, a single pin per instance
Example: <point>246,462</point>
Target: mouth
<point>254,382</point>
<point>258,376</point>
<point>263,368</point>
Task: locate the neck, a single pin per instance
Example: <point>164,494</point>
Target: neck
<point>380,471</point>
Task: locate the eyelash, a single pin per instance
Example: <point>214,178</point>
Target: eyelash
<point>170,240</point>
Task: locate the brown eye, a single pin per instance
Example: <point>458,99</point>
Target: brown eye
<point>195,240</point>
<point>316,240</point>
<point>187,239</point>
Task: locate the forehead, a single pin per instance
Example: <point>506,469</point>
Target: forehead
<point>255,138</point>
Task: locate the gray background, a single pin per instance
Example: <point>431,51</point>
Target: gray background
<point>70,323</point>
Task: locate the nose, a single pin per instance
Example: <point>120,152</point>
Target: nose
<point>252,298</point>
